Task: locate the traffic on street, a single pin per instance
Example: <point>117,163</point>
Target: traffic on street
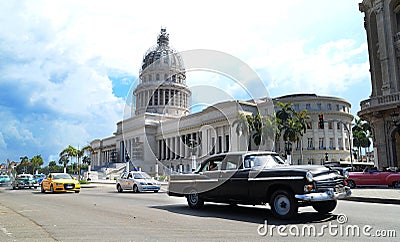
<point>101,213</point>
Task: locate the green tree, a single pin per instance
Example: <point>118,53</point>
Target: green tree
<point>64,160</point>
<point>70,152</point>
<point>243,127</point>
<point>291,125</point>
<point>36,161</point>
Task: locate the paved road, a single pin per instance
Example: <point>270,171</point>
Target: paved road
<point>102,214</point>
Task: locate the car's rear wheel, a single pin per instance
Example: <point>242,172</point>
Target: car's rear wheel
<point>119,188</point>
<point>42,189</point>
<point>194,200</point>
<point>155,191</point>
<point>351,183</point>
<point>325,206</point>
<point>135,188</point>
<point>77,191</point>
<point>283,204</point>
<point>396,184</point>
<point>51,189</point>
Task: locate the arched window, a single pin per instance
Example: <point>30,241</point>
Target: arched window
<point>157,77</point>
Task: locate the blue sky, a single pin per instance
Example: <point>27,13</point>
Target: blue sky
<point>66,67</point>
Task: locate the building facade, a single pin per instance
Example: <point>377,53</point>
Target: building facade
<point>382,108</point>
<point>320,144</point>
<point>162,136</point>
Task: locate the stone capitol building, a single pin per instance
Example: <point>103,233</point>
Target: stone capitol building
<point>162,136</point>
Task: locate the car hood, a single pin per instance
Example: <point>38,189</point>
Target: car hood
<point>315,170</point>
<point>65,181</point>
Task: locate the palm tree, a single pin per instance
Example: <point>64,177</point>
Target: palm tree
<point>361,136</point>
<point>243,127</point>
<point>64,161</point>
<point>70,152</point>
<point>36,161</point>
<point>79,153</point>
<point>291,124</point>
<point>303,118</point>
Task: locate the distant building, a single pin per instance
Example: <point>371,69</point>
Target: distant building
<point>162,136</point>
<point>320,144</point>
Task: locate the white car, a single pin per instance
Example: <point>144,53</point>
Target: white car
<point>137,181</point>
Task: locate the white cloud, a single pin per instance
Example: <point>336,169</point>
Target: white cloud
<point>55,56</point>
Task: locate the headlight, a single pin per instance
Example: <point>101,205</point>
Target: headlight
<point>309,176</point>
<point>346,173</point>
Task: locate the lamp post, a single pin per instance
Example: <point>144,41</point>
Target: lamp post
<point>193,147</point>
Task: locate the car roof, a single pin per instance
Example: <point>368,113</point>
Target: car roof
<point>246,153</point>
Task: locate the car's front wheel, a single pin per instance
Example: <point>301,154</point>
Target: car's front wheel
<point>283,204</point>
<point>325,206</point>
<point>194,200</point>
<point>42,189</point>
<point>51,189</point>
<point>135,188</point>
<point>119,188</point>
<point>396,184</point>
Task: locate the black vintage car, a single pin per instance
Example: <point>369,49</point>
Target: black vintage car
<point>260,178</point>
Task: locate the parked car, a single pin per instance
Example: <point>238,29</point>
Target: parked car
<point>260,178</point>
<point>24,181</point>
<point>39,178</point>
<point>60,182</point>
<point>374,177</point>
<point>137,181</point>
<point>5,180</point>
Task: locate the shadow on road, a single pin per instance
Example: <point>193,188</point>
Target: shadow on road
<point>248,214</point>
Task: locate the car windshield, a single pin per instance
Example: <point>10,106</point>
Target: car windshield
<point>141,175</point>
<point>262,161</point>
<point>62,176</point>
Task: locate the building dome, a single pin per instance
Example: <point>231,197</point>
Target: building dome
<point>162,52</point>
<point>162,88</point>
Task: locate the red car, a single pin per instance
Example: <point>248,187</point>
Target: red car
<point>374,178</point>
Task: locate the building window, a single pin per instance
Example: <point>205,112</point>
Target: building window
<point>309,125</point>
<point>150,78</point>
<point>330,125</point>
<point>319,106</point>
<point>310,143</point>
<point>321,143</point>
<point>157,77</point>
<point>337,107</point>
<point>338,125</point>
<point>308,106</point>
<point>339,144</point>
<point>344,108</point>
<point>297,107</point>
<point>226,143</point>
<point>331,144</point>
<point>329,106</point>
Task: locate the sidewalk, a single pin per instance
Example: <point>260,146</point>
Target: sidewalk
<point>386,195</point>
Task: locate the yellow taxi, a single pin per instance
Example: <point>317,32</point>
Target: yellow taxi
<point>60,182</point>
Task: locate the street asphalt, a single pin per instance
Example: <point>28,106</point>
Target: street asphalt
<point>371,194</point>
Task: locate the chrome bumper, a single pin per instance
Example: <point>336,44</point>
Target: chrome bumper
<point>331,194</point>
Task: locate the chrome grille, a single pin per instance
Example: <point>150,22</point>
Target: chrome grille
<point>324,185</point>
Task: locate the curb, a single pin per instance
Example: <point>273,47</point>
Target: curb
<point>374,200</point>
